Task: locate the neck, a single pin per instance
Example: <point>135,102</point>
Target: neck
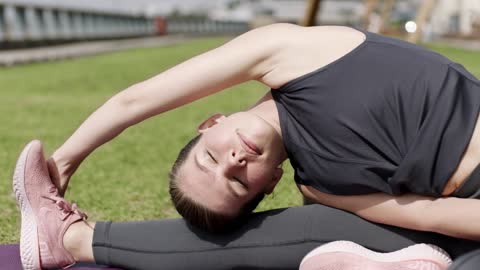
<point>266,109</point>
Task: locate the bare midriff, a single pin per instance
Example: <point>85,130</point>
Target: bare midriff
<point>468,162</point>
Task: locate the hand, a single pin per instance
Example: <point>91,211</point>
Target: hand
<point>58,177</point>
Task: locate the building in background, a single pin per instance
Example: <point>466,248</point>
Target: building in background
<point>337,12</point>
<point>40,21</point>
<point>346,12</point>
<point>459,17</point>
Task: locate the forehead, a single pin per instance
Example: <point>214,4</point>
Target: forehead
<point>205,186</point>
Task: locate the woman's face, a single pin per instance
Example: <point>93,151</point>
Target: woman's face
<point>236,158</point>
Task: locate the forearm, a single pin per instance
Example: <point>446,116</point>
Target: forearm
<point>246,57</point>
<point>457,217</point>
<point>101,126</point>
<point>451,216</point>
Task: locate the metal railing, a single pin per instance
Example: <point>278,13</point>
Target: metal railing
<point>36,23</point>
<point>205,26</point>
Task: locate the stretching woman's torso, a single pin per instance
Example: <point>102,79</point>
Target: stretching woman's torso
<point>383,116</point>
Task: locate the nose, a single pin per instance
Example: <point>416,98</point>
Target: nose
<point>236,159</point>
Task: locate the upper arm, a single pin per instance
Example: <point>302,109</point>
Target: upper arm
<point>244,58</point>
<point>407,211</point>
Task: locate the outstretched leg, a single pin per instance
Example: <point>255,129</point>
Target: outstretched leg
<point>469,261</point>
<point>54,233</point>
<point>275,239</point>
<point>78,241</point>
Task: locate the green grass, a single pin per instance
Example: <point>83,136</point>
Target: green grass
<point>126,178</point>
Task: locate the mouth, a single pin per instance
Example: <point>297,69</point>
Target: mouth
<point>248,145</point>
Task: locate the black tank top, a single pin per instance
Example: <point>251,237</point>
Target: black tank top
<point>388,116</point>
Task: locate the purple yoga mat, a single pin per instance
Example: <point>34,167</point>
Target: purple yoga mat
<point>10,260</point>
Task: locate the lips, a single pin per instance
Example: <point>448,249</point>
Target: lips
<point>249,146</point>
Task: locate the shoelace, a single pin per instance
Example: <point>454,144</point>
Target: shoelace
<point>65,207</point>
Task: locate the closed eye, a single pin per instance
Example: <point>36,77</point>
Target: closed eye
<point>210,155</point>
<point>240,182</point>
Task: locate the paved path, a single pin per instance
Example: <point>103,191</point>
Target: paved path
<point>462,43</point>
<point>51,53</point>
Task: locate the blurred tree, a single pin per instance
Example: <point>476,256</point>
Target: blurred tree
<point>177,14</point>
<point>310,17</point>
<point>385,15</point>
<point>370,6</point>
<point>423,15</point>
<point>349,14</point>
<point>233,4</point>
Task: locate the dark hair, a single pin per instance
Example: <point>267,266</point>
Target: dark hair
<point>197,214</point>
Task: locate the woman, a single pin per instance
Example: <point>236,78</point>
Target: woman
<point>372,125</point>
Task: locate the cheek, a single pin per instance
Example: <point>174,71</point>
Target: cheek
<point>219,140</point>
<point>259,175</point>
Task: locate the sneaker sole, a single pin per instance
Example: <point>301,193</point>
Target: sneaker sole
<point>349,255</point>
<point>348,261</point>
<point>29,238</point>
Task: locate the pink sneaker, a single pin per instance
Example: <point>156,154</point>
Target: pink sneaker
<point>346,255</point>
<point>45,215</point>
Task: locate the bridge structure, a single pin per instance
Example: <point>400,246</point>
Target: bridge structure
<point>30,22</point>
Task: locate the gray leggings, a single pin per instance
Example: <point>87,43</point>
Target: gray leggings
<point>275,239</point>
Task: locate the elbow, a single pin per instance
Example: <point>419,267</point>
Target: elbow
<point>125,98</point>
<point>125,105</point>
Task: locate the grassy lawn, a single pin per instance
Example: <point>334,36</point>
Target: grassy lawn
<point>126,178</point>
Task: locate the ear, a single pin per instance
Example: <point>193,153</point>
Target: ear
<point>277,175</point>
<point>211,121</point>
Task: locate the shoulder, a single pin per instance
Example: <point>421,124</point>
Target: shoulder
<point>279,35</point>
<point>292,51</point>
<point>267,39</point>
<point>276,31</point>
<point>278,46</point>
<point>261,45</point>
